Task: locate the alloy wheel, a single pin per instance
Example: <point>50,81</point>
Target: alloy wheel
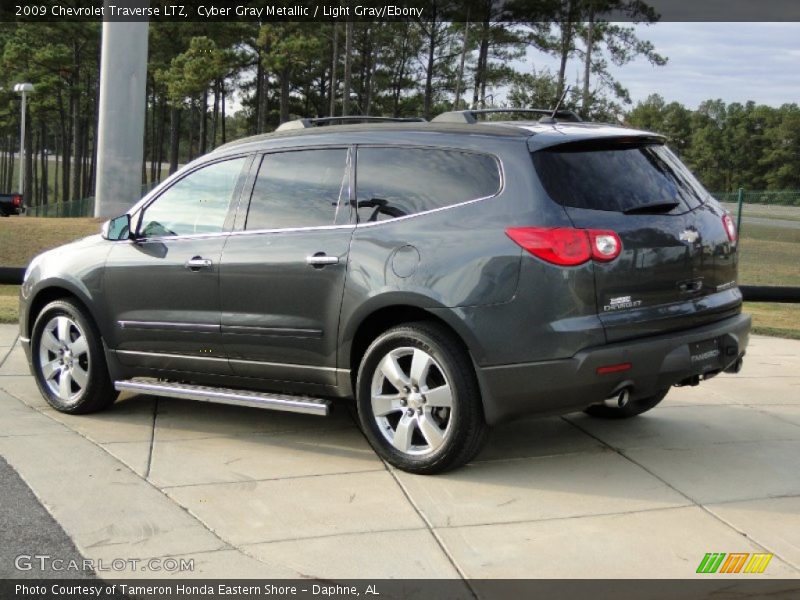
<point>412,401</point>
<point>64,358</point>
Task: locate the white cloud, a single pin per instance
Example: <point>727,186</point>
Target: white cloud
<point>736,62</point>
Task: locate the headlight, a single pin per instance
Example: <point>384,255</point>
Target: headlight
<point>31,266</point>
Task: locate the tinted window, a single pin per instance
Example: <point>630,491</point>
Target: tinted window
<point>299,189</point>
<point>617,177</point>
<point>394,182</point>
<point>198,203</point>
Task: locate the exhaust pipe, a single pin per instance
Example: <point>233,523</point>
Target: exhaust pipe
<point>619,399</point>
<point>736,365</point>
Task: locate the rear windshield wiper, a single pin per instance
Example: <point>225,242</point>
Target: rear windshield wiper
<point>654,207</point>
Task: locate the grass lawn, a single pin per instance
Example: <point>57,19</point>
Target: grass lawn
<point>8,303</point>
<point>772,318</point>
<point>22,238</point>
<point>769,256</point>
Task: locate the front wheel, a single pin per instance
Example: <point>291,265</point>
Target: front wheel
<point>418,399</point>
<point>68,361</point>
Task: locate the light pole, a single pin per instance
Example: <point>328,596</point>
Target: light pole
<point>22,88</point>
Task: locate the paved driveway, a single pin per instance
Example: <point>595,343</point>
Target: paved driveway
<point>249,493</point>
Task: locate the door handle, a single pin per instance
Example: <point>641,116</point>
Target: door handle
<point>320,259</point>
<point>197,263</point>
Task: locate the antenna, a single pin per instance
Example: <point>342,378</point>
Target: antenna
<point>560,101</point>
<point>552,118</point>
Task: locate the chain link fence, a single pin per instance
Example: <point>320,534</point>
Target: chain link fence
<point>769,236</point>
<point>777,198</point>
<point>77,208</point>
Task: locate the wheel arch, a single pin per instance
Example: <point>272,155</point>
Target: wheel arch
<point>47,293</point>
<point>361,332</point>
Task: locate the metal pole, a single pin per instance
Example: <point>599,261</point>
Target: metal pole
<point>22,151</point>
<point>739,213</point>
<point>121,114</point>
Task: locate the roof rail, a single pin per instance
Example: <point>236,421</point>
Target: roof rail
<point>470,116</point>
<point>306,123</point>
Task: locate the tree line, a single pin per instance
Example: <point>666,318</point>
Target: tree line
<point>273,72</point>
<point>729,146</point>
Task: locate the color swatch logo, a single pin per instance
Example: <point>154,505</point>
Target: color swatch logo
<point>735,562</point>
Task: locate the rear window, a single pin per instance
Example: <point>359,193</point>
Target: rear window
<point>610,176</point>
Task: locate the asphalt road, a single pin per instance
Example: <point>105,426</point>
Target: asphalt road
<point>28,530</point>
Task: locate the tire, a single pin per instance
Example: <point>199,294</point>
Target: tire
<point>418,400</point>
<point>69,364</point>
<point>631,409</point>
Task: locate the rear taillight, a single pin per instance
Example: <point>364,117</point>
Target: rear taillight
<point>730,227</point>
<point>566,246</point>
<point>606,245</point>
<point>16,200</point>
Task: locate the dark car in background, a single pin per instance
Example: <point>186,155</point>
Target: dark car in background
<point>447,276</point>
<point>10,204</point>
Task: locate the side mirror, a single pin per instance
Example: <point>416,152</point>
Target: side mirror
<point>118,228</point>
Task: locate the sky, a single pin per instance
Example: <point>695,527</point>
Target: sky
<point>736,62</point>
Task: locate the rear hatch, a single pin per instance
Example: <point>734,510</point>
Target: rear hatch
<point>677,268</point>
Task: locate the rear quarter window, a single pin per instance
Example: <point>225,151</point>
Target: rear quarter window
<point>396,182</point>
<point>603,175</point>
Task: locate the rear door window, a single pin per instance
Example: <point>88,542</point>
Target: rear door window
<point>303,188</point>
<point>612,176</point>
<point>397,182</point>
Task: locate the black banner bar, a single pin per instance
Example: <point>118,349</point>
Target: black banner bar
<point>265,11</point>
<point>718,588</point>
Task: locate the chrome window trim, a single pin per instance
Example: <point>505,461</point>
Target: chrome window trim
<point>350,193</point>
<point>292,229</point>
<point>352,184</point>
<point>497,159</point>
<point>426,212</point>
<point>138,209</point>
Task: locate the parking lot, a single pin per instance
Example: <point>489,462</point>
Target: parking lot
<point>248,493</point>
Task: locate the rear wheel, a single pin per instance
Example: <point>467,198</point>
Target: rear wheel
<point>631,409</point>
<point>68,361</point>
<point>418,400</point>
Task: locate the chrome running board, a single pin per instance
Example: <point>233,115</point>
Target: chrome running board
<point>186,391</point>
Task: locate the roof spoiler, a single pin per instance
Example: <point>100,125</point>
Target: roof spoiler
<point>306,123</point>
<point>471,116</point>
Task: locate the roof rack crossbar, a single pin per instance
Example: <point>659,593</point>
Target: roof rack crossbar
<point>306,123</point>
<point>470,116</point>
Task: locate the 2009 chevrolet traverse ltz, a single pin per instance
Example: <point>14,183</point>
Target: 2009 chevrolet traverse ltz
<point>447,275</point>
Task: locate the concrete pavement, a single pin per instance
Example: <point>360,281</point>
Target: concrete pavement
<point>249,493</point>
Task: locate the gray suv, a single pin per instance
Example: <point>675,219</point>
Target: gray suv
<point>447,275</point>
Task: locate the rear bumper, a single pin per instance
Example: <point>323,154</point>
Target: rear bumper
<point>656,363</point>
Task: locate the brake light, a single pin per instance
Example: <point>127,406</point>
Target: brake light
<point>16,200</point>
<point>567,246</point>
<point>730,227</point>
